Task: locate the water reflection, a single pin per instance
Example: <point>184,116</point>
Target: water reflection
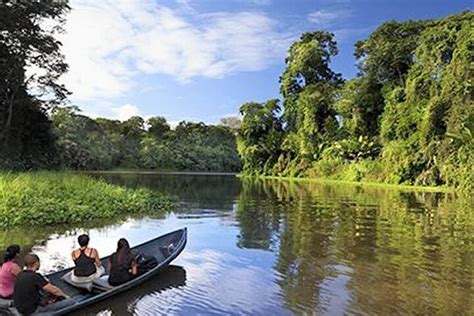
<point>383,251</point>
<point>148,297</point>
<point>194,191</point>
<point>278,247</point>
<point>258,215</point>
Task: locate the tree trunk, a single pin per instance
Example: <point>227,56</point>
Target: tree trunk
<point>10,100</point>
<point>8,123</point>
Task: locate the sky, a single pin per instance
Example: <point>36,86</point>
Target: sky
<point>200,60</point>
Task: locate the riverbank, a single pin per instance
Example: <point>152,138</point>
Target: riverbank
<point>46,197</point>
<point>166,172</point>
<point>360,183</point>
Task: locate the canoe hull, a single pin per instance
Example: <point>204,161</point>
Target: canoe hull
<point>177,239</point>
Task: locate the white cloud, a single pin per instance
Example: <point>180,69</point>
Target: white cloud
<point>109,43</point>
<point>125,112</point>
<point>326,18</point>
<point>174,123</point>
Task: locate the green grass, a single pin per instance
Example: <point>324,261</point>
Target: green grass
<point>40,198</point>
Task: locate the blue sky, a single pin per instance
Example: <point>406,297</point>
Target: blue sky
<point>200,60</point>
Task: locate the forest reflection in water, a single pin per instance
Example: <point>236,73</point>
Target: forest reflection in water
<point>363,249</point>
<point>283,247</point>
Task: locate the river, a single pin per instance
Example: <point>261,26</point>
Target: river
<point>280,248</point>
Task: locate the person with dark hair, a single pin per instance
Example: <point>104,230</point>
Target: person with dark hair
<point>9,271</point>
<point>29,286</point>
<point>122,264</point>
<point>87,261</point>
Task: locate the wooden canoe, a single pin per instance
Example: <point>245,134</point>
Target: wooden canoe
<point>164,248</point>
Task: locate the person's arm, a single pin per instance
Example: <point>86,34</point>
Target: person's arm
<point>54,290</point>
<point>134,269</point>
<point>73,257</point>
<point>96,257</point>
<point>15,270</point>
<point>110,264</point>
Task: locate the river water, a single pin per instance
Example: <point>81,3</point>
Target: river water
<point>280,248</point>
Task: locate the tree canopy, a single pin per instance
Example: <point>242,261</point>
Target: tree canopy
<point>407,117</point>
<point>84,143</point>
<point>25,43</point>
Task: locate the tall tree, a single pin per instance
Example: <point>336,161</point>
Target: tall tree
<point>307,64</point>
<point>384,60</point>
<point>157,126</point>
<point>259,136</point>
<point>26,43</point>
<point>308,86</point>
<point>388,53</point>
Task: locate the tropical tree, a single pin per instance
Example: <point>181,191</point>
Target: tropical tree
<point>307,64</point>
<point>309,88</point>
<point>259,136</point>
<point>81,141</point>
<point>27,43</point>
<point>158,127</point>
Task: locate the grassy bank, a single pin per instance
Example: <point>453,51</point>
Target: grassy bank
<point>369,173</point>
<point>40,198</point>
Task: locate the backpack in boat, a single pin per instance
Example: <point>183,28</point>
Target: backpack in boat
<point>145,263</point>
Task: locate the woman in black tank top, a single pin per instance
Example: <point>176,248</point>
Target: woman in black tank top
<point>87,262</point>
<point>85,265</point>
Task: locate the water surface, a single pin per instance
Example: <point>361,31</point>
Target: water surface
<point>275,247</point>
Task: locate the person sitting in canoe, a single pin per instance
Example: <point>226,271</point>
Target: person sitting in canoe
<point>9,271</point>
<point>30,288</point>
<point>122,264</point>
<point>87,261</point>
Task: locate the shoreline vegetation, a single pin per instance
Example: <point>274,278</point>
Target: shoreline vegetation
<point>406,119</point>
<point>47,198</point>
<point>163,172</point>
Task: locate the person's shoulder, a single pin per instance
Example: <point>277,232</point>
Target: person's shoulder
<point>10,264</point>
<point>93,253</point>
<point>39,275</point>
<point>27,275</point>
<point>41,278</point>
<point>26,272</point>
<point>15,265</point>
<point>22,274</point>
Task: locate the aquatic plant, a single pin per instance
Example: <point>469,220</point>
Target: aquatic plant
<point>43,198</point>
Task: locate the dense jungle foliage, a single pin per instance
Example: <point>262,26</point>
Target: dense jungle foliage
<point>37,131</point>
<point>85,143</point>
<point>407,118</point>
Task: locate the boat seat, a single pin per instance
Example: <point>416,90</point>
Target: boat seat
<point>5,303</point>
<point>84,286</point>
<point>102,283</point>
